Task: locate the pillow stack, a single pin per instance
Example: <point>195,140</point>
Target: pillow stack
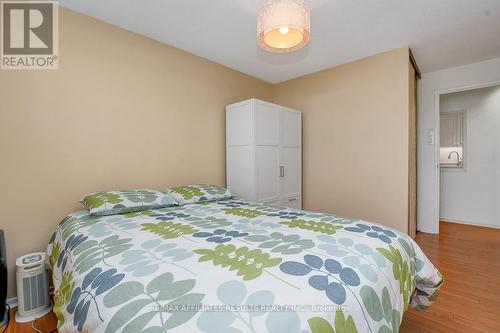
<point>126,201</point>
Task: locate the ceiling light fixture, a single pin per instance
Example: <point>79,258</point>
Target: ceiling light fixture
<point>283,25</point>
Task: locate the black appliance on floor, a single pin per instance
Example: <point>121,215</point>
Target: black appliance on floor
<point>3,280</point>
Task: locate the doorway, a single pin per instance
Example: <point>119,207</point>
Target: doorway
<point>469,156</point>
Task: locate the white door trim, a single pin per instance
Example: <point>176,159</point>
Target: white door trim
<point>437,95</point>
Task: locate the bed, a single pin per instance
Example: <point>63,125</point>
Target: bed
<point>233,266</point>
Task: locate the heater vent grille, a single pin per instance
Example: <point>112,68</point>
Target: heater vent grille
<point>34,291</point>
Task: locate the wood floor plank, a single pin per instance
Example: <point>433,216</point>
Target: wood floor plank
<point>469,302</point>
<point>44,324</point>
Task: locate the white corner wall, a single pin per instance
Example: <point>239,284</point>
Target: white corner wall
<point>472,195</point>
<point>429,87</point>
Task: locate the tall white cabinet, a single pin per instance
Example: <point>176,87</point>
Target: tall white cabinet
<point>264,153</point>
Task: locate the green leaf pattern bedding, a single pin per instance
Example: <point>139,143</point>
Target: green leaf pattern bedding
<point>234,266</point>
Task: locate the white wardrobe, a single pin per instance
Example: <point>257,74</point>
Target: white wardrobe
<point>264,153</point>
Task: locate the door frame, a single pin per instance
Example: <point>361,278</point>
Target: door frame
<point>437,144</point>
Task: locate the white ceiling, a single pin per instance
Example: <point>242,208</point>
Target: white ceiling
<point>442,33</point>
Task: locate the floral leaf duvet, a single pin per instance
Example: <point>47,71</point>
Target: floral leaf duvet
<point>234,266</point>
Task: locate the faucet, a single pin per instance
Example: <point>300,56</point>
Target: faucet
<point>458,156</point>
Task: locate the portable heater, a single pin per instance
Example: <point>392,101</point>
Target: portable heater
<point>32,287</point>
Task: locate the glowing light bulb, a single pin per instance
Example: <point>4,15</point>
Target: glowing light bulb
<point>283,25</point>
<point>283,30</point>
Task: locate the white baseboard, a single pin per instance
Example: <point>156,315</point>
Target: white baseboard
<point>12,302</point>
<point>471,223</point>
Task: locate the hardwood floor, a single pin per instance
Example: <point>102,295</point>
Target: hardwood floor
<point>44,324</point>
<point>469,302</point>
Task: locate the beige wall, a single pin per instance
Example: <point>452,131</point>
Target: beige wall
<point>122,111</point>
<point>125,111</point>
<point>355,137</point>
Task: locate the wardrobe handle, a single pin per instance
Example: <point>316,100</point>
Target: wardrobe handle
<point>282,171</point>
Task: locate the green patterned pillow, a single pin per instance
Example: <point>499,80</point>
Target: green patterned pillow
<point>126,201</point>
<point>187,194</point>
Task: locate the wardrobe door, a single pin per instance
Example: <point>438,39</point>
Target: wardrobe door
<point>267,173</point>
<point>266,152</point>
<point>290,178</point>
<point>290,158</point>
<point>239,150</point>
<point>290,128</point>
